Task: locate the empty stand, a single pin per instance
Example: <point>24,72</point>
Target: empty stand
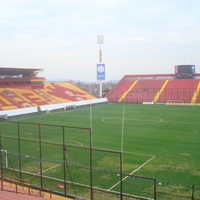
<point>51,93</point>
<point>6,101</point>
<point>179,90</point>
<point>116,93</point>
<point>135,91</point>
<point>65,92</point>
<point>157,91</point>
<point>144,91</point>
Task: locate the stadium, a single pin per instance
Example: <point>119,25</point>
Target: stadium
<point>140,141</point>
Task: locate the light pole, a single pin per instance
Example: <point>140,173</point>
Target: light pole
<point>100,40</point>
<point>100,66</point>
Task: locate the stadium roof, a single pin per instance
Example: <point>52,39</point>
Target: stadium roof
<point>25,72</point>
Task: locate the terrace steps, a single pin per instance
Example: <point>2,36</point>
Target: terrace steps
<point>126,92</point>
<point>160,91</point>
<point>196,94</point>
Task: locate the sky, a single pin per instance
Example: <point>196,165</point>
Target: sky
<point>60,36</point>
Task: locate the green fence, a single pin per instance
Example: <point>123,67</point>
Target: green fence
<point>62,159</point>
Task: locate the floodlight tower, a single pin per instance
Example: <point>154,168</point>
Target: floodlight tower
<point>100,40</point>
<point>100,66</point>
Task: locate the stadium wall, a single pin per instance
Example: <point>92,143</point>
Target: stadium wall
<point>30,110</point>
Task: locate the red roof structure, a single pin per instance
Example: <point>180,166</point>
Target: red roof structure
<point>23,72</point>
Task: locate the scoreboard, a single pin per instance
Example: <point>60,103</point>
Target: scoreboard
<point>184,71</point>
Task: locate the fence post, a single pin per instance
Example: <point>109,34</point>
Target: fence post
<point>1,184</point>
<point>16,188</point>
<point>51,193</point>
<point>40,191</point>
<point>192,192</point>
<point>155,189</point>
<point>29,190</point>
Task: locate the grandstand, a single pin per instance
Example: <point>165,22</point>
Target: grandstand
<point>21,88</point>
<point>177,88</point>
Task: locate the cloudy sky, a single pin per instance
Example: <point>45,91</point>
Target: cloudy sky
<point>60,36</point>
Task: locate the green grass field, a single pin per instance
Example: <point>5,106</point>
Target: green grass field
<point>157,141</point>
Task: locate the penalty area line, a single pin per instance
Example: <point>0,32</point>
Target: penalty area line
<point>77,142</point>
<point>131,173</point>
<point>51,168</point>
<point>46,170</point>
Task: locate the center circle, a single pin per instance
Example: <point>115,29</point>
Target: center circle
<point>132,121</point>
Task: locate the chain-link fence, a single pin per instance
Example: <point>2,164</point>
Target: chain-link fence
<point>62,159</point>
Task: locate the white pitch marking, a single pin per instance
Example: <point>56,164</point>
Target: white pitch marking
<point>132,172</point>
<point>159,120</point>
<point>46,170</point>
<point>141,154</point>
<point>77,142</point>
<point>51,168</point>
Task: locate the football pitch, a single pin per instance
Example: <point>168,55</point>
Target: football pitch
<point>156,141</point>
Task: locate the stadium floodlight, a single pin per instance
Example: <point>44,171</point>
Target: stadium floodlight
<point>100,39</point>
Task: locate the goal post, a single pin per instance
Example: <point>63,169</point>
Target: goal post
<point>175,102</point>
<point>3,117</point>
<point>4,152</point>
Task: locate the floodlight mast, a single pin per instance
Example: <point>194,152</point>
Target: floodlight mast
<point>100,40</point>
